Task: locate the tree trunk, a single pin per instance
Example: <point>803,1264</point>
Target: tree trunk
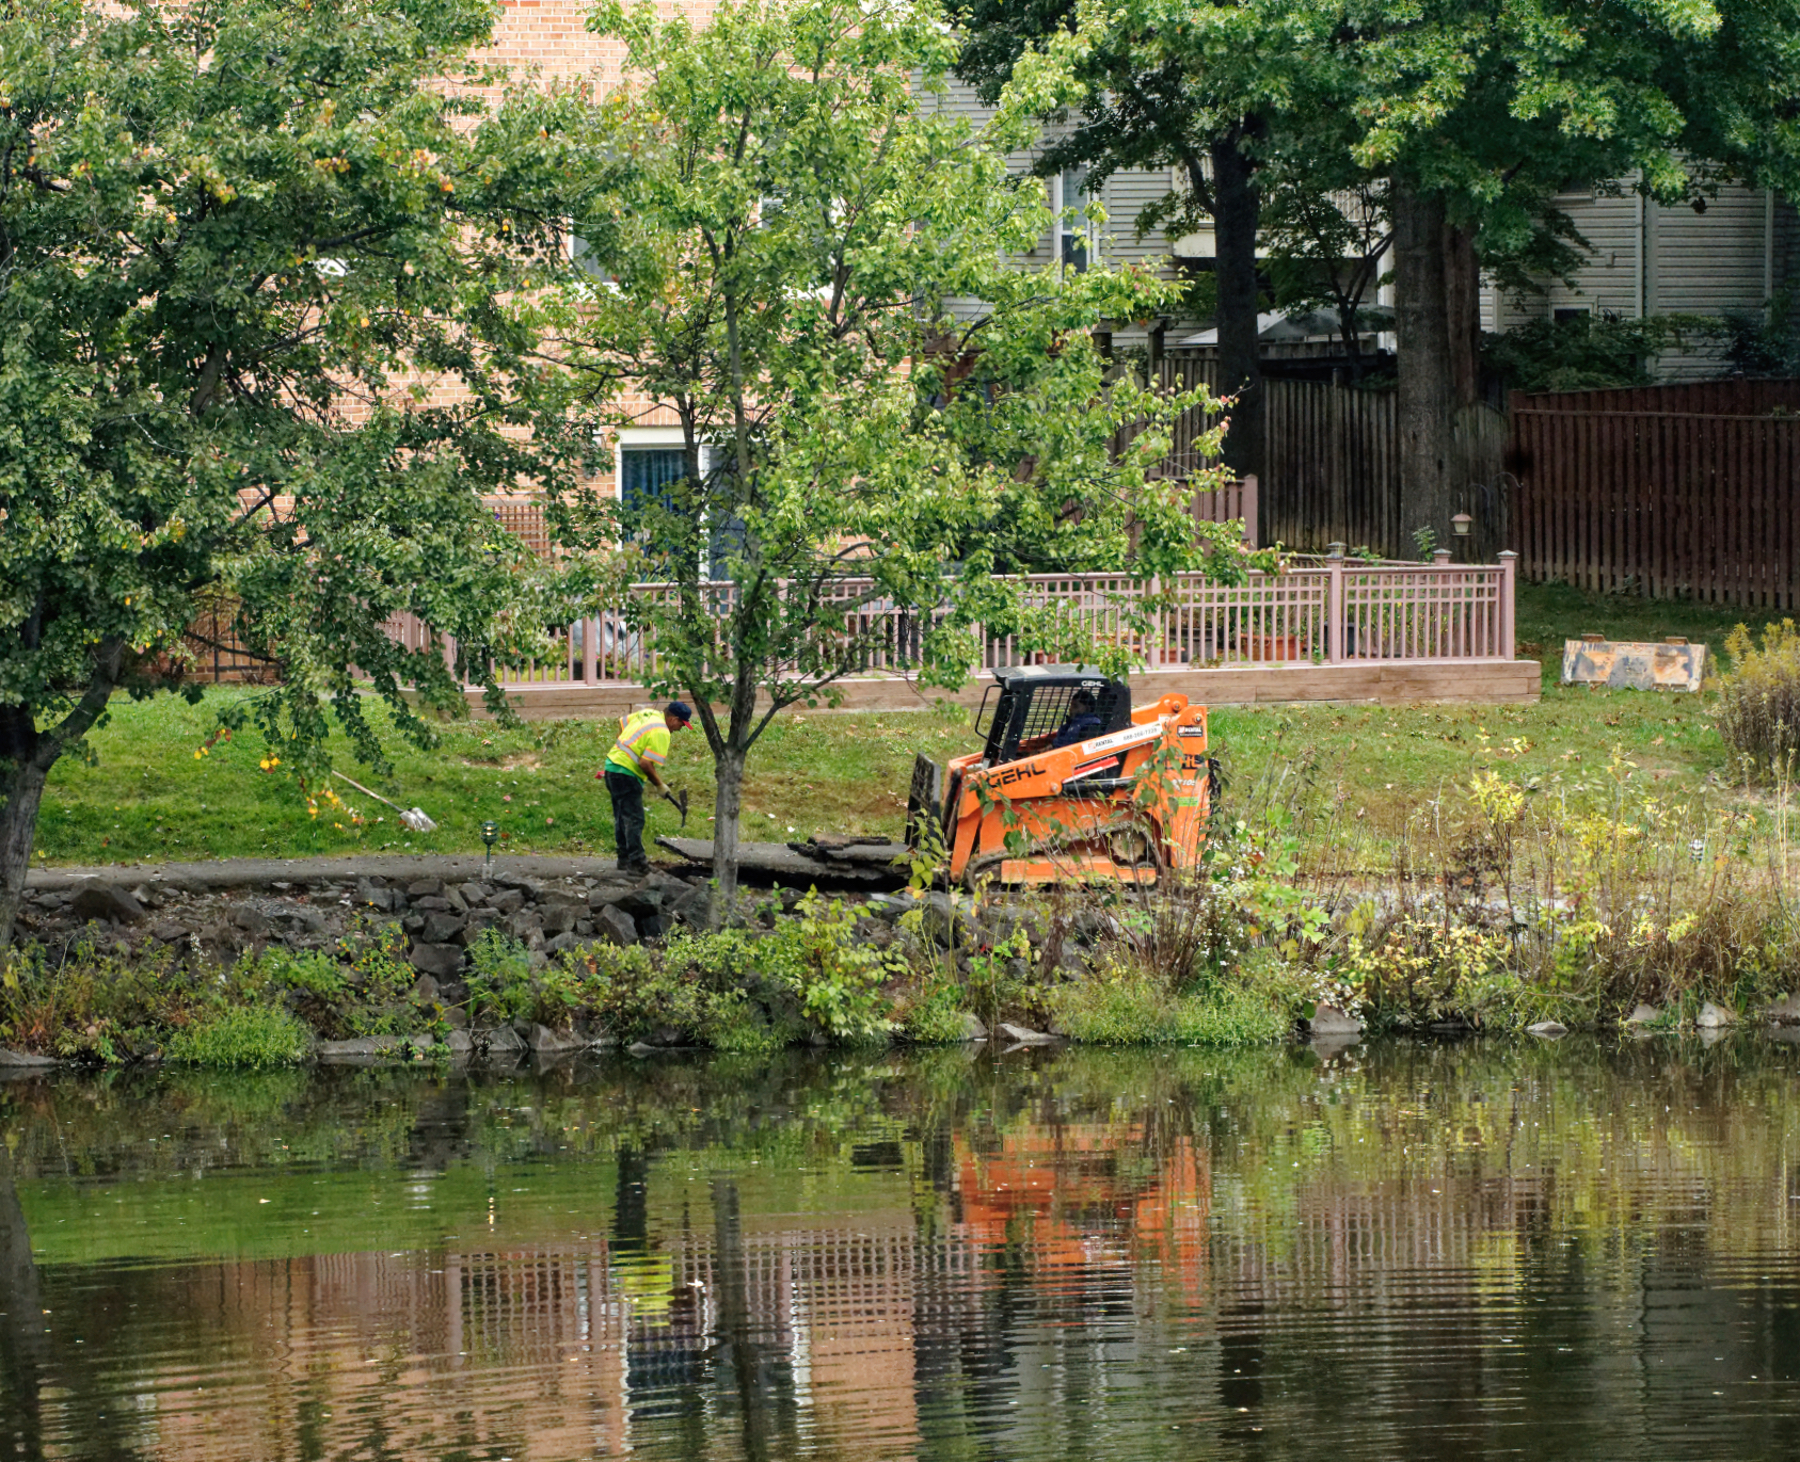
<point>22,788</point>
<point>736,1325</point>
<point>26,756</point>
<point>728,770</point>
<point>1462,314</point>
<point>1427,383</point>
<point>1236,210</point>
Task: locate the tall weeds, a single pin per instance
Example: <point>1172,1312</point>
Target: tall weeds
<point>1506,900</point>
<point>1759,699</point>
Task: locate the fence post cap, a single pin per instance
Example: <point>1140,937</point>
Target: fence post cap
<point>1509,553</point>
<point>1441,555</point>
<point>1334,549</point>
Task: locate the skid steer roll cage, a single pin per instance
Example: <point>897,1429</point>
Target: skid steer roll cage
<point>1035,700</point>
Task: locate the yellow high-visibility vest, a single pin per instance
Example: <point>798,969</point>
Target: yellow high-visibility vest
<point>643,741</point>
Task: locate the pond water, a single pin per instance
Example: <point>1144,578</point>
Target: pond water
<point>1406,1250</point>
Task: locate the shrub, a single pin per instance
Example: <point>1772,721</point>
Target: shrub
<point>836,977</point>
<point>932,1015</point>
<point>245,1037</point>
<point>380,980</point>
<point>499,979</point>
<point>95,1007</point>
<point>1117,1007</point>
<point>1412,971</point>
<point>1759,710</point>
<point>369,997</point>
<point>1588,352</point>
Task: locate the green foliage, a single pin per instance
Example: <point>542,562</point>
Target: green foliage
<point>1763,343</point>
<point>1412,971</point>
<point>783,257</point>
<point>202,261</point>
<point>244,1037</point>
<point>728,988</point>
<point>499,978</point>
<point>932,1015</point>
<point>1122,1007</point>
<point>1759,698</point>
<point>836,976</point>
<point>89,1005</point>
<point>1588,352</point>
<point>1325,248</point>
<point>380,980</point>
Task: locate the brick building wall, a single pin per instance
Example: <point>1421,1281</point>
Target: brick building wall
<point>548,41</point>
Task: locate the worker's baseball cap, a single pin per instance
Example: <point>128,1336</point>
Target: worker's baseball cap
<point>680,710</point>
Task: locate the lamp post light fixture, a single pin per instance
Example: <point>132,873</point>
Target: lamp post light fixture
<point>490,834</point>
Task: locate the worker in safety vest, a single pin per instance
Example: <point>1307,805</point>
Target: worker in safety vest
<point>639,755</point>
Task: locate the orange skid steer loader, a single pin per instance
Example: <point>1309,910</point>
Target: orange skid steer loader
<point>1072,784</point>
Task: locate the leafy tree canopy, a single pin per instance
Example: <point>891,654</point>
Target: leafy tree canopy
<point>229,231</point>
<point>804,268</point>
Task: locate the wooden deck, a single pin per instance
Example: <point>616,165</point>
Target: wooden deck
<point>1383,682</point>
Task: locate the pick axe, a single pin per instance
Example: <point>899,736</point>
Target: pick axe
<point>678,802</point>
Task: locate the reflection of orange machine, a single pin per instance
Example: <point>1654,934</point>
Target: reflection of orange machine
<point>1072,784</point>
<point>1059,1192</point>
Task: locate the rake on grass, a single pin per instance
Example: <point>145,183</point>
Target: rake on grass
<point>411,816</point>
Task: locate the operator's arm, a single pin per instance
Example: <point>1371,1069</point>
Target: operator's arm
<point>656,781</point>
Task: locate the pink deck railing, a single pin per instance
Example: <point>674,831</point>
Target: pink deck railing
<point>1334,612</point>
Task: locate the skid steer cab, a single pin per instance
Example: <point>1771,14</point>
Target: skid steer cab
<point>1073,785</point>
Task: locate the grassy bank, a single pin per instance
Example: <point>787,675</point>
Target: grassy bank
<point>1420,865</point>
<point>149,797</point>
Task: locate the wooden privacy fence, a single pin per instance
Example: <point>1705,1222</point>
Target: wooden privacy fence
<point>1339,611</point>
<point>1331,460</point>
<point>1668,490</point>
<point>1331,470</point>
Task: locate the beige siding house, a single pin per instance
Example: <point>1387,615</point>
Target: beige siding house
<point>1122,197</point>
<point>1644,259</point>
<point>1647,259</point>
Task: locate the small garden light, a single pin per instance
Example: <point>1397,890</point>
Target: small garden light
<point>1461,524</point>
<point>1697,849</point>
<point>490,834</point>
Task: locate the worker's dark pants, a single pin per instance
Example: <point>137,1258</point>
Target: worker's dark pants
<point>627,794</point>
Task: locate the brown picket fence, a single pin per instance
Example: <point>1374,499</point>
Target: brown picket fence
<point>1689,491</point>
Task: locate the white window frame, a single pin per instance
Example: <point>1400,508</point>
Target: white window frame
<point>645,436</point>
<point>1063,229</point>
<point>654,438</point>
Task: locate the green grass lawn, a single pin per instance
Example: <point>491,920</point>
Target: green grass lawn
<point>148,797</point>
<point>1548,614</point>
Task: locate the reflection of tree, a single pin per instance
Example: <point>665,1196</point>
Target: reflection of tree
<point>1041,1252</point>
<point>735,1333</point>
<point>29,1369</point>
<point>24,1354</point>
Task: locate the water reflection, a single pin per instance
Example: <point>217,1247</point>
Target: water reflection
<point>1491,1249</point>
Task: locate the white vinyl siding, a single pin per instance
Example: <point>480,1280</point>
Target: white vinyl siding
<point>1122,198</point>
<point>1648,259</point>
<point>1712,263</point>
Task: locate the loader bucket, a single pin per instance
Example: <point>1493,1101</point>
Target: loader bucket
<point>925,804</point>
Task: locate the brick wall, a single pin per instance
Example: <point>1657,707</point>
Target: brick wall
<point>548,40</point>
